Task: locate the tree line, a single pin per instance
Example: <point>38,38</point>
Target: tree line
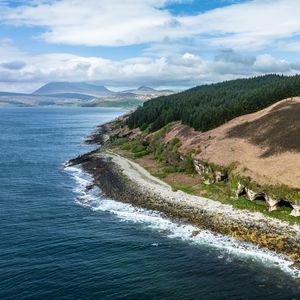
<point>209,106</point>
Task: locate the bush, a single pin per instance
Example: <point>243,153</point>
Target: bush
<point>119,142</point>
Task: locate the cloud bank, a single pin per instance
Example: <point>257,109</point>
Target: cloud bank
<point>254,24</point>
<point>238,38</point>
<point>180,70</point>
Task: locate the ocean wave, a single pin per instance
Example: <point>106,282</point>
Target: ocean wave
<point>154,220</point>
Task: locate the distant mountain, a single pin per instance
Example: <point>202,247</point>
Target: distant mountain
<point>81,94</point>
<point>73,87</point>
<point>9,94</point>
<point>150,92</point>
<point>70,89</point>
<point>170,92</point>
<point>146,89</point>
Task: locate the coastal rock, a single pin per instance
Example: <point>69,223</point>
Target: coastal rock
<point>220,176</point>
<point>80,159</point>
<point>296,209</point>
<point>107,172</point>
<point>272,204</point>
<point>240,190</point>
<point>195,233</point>
<point>250,194</point>
<point>210,174</point>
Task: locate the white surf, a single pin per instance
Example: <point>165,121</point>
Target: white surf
<point>229,246</point>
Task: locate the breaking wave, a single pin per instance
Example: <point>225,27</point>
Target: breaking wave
<point>227,245</point>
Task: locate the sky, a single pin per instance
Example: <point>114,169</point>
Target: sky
<point>158,43</point>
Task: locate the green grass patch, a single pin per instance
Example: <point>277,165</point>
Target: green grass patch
<point>184,188</point>
<point>160,175</point>
<point>119,142</point>
<point>140,154</point>
<point>171,163</point>
<point>134,146</point>
<point>170,169</point>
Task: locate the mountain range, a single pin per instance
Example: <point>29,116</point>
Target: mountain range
<point>80,94</point>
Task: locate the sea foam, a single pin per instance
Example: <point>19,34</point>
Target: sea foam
<point>227,245</point>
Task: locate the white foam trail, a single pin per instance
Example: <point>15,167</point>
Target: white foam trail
<point>85,196</point>
<point>154,220</point>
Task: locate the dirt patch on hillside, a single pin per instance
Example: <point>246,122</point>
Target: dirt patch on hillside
<point>182,179</point>
<point>265,145</point>
<point>148,163</point>
<point>277,132</point>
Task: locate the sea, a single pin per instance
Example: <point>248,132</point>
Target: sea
<point>60,241</point>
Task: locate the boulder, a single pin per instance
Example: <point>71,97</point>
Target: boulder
<point>272,204</point>
<point>296,209</point>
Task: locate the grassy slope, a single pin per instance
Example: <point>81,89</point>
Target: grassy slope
<point>189,183</point>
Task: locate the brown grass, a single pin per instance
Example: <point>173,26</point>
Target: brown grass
<point>182,179</point>
<point>276,132</point>
<point>265,144</point>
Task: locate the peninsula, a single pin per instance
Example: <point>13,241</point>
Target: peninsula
<point>224,157</point>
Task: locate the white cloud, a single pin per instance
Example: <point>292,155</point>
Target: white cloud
<point>171,57</point>
<point>106,22</point>
<point>267,64</point>
<point>250,25</point>
<point>178,70</point>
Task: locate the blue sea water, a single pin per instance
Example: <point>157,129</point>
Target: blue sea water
<point>59,242</point>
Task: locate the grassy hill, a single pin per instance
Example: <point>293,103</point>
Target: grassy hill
<point>209,106</point>
<point>252,157</point>
<point>240,137</point>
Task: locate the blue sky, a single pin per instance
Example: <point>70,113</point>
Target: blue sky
<point>160,43</point>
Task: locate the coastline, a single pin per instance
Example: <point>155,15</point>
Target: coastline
<point>126,181</point>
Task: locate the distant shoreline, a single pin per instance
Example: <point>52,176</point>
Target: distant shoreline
<point>71,105</point>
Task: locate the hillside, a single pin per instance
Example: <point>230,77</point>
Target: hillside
<point>265,144</point>
<point>247,167</point>
<point>255,155</point>
<point>209,106</point>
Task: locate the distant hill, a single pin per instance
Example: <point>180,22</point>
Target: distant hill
<point>70,89</point>
<point>73,87</point>
<point>72,96</point>
<point>81,94</point>
<point>148,91</point>
<point>8,94</point>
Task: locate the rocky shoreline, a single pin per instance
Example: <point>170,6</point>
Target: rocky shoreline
<point>124,180</point>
